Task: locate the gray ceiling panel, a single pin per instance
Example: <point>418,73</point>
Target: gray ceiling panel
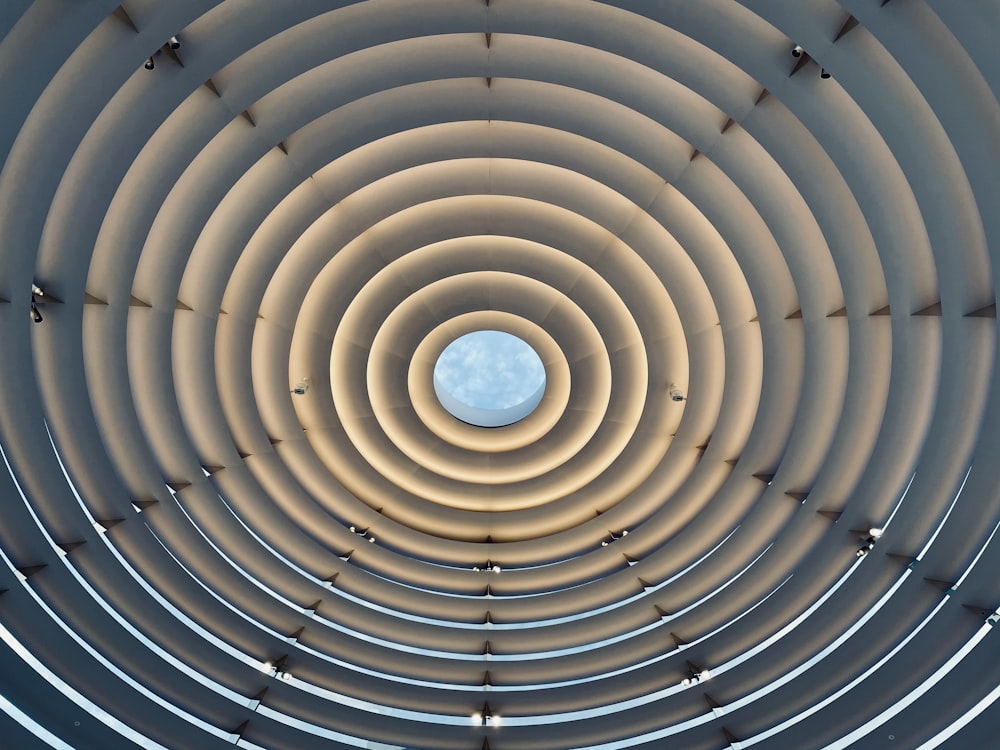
<point>757,504</point>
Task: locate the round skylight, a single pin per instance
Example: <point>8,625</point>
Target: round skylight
<point>489,379</point>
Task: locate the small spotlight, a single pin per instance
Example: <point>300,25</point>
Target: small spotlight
<point>37,291</point>
<point>174,42</point>
<point>285,676</point>
<point>695,677</point>
<point>875,532</point>
<point>862,551</point>
<point>676,394</point>
<point>301,387</point>
<point>35,315</point>
<point>824,73</point>
<point>362,533</point>
<point>484,716</point>
<point>613,537</point>
<point>797,51</point>
<point>149,64</point>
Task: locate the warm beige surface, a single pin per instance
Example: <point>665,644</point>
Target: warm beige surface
<point>649,192</point>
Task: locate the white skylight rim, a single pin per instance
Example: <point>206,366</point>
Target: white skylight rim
<point>487,417</point>
<point>489,379</point>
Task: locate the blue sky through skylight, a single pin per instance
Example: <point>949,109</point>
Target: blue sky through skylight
<point>490,370</point>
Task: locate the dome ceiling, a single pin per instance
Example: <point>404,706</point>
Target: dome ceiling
<point>757,503</point>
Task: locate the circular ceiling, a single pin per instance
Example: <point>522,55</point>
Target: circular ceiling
<point>753,245</point>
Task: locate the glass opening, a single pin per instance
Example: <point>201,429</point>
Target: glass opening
<point>489,379</point>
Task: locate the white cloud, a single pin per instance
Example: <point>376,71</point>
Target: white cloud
<point>489,370</point>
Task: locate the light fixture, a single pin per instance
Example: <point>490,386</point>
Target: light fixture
<point>301,387</point>
<point>149,64</point>
<point>797,51</point>
<point>824,73</point>
<point>36,291</point>
<point>867,547</point>
<point>489,567</point>
<point>614,537</point>
<point>276,667</point>
<point>174,42</point>
<point>363,533</point>
<point>694,677</point>
<point>485,717</point>
<point>35,315</point>
<point>868,543</point>
<point>676,394</point>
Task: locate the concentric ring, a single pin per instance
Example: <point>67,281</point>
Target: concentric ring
<point>754,246</point>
